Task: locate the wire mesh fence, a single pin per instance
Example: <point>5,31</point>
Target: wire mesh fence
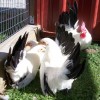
<point>14,14</point>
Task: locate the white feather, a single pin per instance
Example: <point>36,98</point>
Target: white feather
<point>85,42</point>
<point>53,66</point>
<point>28,66</point>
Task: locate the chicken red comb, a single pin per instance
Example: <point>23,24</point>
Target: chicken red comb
<point>83,28</point>
<point>83,31</point>
<point>82,35</point>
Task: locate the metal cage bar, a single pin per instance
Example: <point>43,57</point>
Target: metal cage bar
<point>14,15</point>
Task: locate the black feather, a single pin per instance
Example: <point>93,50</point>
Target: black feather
<point>75,58</point>
<point>73,10</point>
<point>47,89</point>
<point>67,47</point>
<point>72,18</point>
<point>20,44</point>
<point>81,69</point>
<point>17,52</point>
<point>73,63</point>
<point>15,59</point>
<point>77,72</point>
<point>16,46</point>
<point>13,63</point>
<point>69,18</point>
<point>24,39</point>
<point>64,18</point>
<point>9,56</point>
<point>66,41</point>
<point>75,52</point>
<point>76,7</point>
<point>61,35</point>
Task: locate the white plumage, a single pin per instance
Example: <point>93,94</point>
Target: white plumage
<point>31,64</point>
<point>23,67</point>
<point>51,65</point>
<point>84,38</point>
<point>54,69</point>
<point>71,23</point>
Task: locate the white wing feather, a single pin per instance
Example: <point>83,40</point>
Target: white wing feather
<point>52,66</point>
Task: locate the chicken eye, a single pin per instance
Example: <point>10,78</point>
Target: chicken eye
<point>44,43</point>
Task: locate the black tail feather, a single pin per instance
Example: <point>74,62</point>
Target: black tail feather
<point>68,44</point>
<point>75,57</point>
<point>47,89</point>
<point>8,58</point>
<point>66,41</point>
<point>76,7</point>
<point>75,67</point>
<point>66,49</point>
<point>13,59</point>
<point>69,18</point>
<point>24,38</point>
<point>77,71</point>
<point>61,35</point>
<point>72,18</point>
<point>64,18</point>
<point>20,44</point>
<point>73,14</point>
<point>16,46</point>
<point>82,69</point>
<point>75,53</point>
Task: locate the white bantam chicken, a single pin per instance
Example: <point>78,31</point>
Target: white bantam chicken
<point>71,23</point>
<point>61,63</point>
<point>22,67</point>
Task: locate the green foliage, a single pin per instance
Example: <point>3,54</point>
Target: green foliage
<point>2,37</point>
